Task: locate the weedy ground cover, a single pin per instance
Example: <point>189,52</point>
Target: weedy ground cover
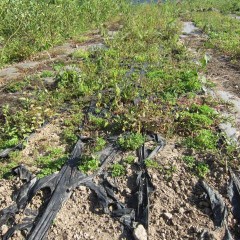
<point>139,81</point>
<point>214,18</point>
<point>224,6</point>
<point>30,26</point>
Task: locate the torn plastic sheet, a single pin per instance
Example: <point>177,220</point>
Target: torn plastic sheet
<point>4,153</point>
<point>234,195</point>
<point>228,235</point>
<point>60,186</point>
<point>137,209</point>
<point>219,209</point>
<point>217,204</point>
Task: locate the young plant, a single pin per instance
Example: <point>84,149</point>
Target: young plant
<point>130,159</point>
<point>190,161</point>
<point>100,144</point>
<point>150,163</point>
<point>117,170</point>
<point>89,164</point>
<point>51,162</point>
<point>203,140</point>
<point>131,141</point>
<point>202,169</point>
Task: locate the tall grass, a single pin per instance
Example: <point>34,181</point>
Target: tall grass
<point>225,6</point>
<point>30,26</point>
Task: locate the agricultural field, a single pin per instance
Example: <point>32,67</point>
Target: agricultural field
<point>119,119</point>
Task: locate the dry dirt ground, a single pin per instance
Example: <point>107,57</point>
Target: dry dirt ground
<point>177,207</point>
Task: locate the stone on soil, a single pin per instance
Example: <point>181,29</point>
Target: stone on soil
<point>140,233</point>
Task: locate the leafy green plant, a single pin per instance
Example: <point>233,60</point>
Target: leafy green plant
<point>150,163</point>
<point>80,54</point>
<point>203,140</point>
<point>16,86</point>
<point>51,162</point>
<point>131,141</point>
<point>202,169</point>
<point>100,122</point>
<point>5,170</point>
<point>193,121</point>
<point>100,144</point>
<point>190,161</point>
<point>129,159</point>
<point>117,170</point>
<point>89,164</point>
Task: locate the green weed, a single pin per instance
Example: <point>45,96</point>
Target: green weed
<point>202,169</point>
<point>100,144</point>
<point>129,159</point>
<point>117,170</point>
<point>51,162</point>
<point>203,140</point>
<point>89,164</point>
<point>151,164</point>
<point>190,161</point>
<point>80,54</point>
<point>131,141</point>
<point>47,73</point>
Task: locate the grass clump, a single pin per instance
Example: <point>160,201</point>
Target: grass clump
<point>131,141</point>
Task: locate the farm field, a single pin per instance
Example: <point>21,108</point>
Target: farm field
<point>119,119</point>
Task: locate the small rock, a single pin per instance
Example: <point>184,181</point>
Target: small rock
<point>181,210</point>
<point>168,215</point>
<point>140,233</point>
<point>4,229</point>
<point>82,188</point>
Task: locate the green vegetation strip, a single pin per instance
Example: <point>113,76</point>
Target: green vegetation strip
<point>142,79</point>
<point>27,26</point>
<point>214,18</point>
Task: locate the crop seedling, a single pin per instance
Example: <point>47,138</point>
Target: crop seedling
<point>202,169</point>
<point>204,140</point>
<point>150,163</point>
<point>117,170</point>
<point>131,141</point>
<point>100,143</point>
<point>129,159</point>
<point>89,164</point>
